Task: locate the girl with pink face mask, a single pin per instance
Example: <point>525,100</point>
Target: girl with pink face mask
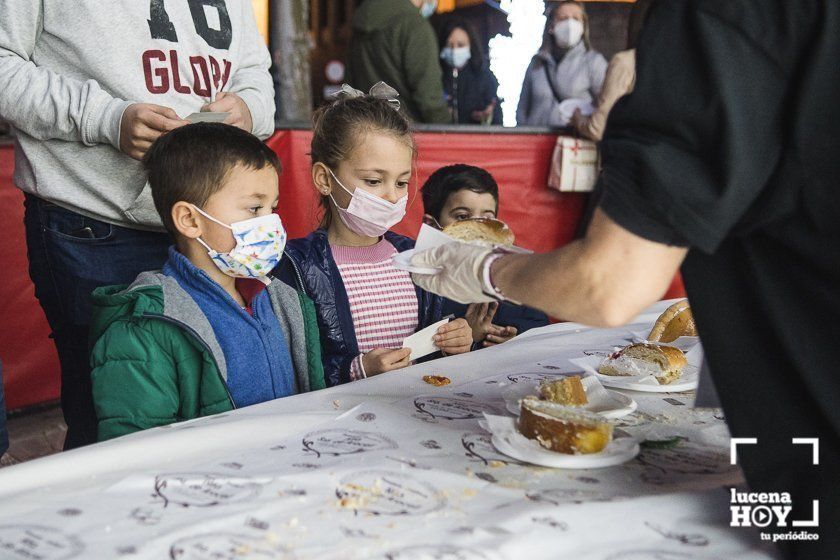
<point>362,160</point>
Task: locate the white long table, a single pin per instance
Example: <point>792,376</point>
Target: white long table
<point>389,468</point>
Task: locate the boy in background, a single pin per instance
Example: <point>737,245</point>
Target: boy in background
<point>465,192</point>
<point>210,332</point>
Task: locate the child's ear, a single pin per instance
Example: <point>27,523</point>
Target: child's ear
<point>184,216</point>
<point>430,221</point>
<point>321,178</point>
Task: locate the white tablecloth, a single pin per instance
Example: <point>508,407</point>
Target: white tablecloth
<point>382,468</point>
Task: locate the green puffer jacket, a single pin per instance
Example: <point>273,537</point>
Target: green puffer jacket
<point>156,360</point>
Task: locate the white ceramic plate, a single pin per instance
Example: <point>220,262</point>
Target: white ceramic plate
<point>688,381</point>
<point>609,404</point>
<point>507,440</point>
<point>402,261</point>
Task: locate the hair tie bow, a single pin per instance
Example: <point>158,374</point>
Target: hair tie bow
<point>379,90</point>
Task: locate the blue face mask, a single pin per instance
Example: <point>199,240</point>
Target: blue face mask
<point>428,8</point>
<point>457,57</point>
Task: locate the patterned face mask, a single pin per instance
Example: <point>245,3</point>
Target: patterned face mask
<point>259,246</point>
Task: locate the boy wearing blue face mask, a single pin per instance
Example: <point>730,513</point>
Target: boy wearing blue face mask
<point>210,332</point>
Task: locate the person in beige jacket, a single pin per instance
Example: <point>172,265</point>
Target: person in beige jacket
<point>618,81</point>
<point>621,75</point>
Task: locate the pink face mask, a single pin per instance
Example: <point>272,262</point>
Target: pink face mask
<point>367,214</point>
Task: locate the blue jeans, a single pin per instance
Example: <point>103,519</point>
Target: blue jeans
<point>69,256</point>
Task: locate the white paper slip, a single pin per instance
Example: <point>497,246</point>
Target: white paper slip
<point>207,117</point>
<point>421,343</point>
<point>429,238</point>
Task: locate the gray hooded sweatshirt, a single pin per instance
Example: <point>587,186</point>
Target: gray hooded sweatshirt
<point>69,69</point>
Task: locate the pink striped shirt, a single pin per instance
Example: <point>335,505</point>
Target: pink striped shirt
<point>383,301</point>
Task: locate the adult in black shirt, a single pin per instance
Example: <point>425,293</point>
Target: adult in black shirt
<point>469,86</point>
<point>725,160</point>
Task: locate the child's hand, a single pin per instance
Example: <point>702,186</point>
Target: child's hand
<point>455,337</point>
<point>498,334</point>
<point>380,360</point>
<point>480,317</point>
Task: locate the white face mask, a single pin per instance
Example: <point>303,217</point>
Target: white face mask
<point>367,214</point>
<point>567,33</point>
<point>259,246</point>
<point>457,57</point>
<point>428,8</point>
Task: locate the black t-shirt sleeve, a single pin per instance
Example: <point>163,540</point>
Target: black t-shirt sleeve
<point>691,149</point>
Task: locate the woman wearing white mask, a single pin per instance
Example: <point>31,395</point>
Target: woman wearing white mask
<point>566,67</point>
<point>362,160</point>
<point>468,84</point>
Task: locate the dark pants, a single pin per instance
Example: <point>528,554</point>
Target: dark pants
<point>69,256</point>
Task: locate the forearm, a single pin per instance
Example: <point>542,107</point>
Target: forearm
<point>46,105</point>
<point>252,82</point>
<point>594,281</point>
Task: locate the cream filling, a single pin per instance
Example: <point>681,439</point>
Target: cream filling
<point>635,366</point>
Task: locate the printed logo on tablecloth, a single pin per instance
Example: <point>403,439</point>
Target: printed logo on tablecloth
<point>439,552</point>
<point>25,542</point>
<point>773,509</point>
<point>687,458</point>
<point>534,377</point>
<point>204,489</point>
<point>227,546</point>
<point>146,515</point>
<point>388,493</point>
<point>480,447</point>
<point>338,441</point>
<point>559,496</point>
<point>690,539</point>
<point>450,408</point>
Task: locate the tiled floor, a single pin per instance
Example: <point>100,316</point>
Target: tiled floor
<point>33,434</point>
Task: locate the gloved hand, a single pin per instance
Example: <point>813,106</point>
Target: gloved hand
<point>460,278</point>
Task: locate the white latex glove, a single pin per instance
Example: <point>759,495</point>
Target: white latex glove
<point>460,278</point>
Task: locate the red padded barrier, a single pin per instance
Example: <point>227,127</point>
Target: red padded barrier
<point>541,218</point>
<point>30,364</point>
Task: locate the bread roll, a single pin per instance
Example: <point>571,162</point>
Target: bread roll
<point>663,362</point>
<point>482,231</point>
<point>567,391</point>
<point>563,429</point>
<point>675,322</point>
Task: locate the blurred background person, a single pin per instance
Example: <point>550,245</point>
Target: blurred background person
<point>565,67</point>
<point>468,84</point>
<point>393,42</point>
<point>618,82</point>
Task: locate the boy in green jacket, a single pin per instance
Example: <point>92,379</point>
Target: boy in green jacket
<point>210,332</point>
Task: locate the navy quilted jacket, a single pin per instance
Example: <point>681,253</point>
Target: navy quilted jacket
<point>308,265</point>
